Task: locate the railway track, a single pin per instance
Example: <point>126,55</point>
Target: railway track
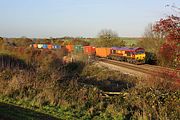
<point>126,65</point>
<point>149,70</point>
<point>146,69</point>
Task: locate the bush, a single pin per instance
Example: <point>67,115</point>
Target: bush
<point>43,75</point>
<point>74,91</point>
<point>6,75</point>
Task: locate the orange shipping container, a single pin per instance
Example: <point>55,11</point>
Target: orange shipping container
<point>35,45</point>
<point>49,46</point>
<point>102,52</point>
<point>69,48</point>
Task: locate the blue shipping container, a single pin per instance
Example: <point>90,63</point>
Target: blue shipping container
<point>57,47</point>
<point>45,46</point>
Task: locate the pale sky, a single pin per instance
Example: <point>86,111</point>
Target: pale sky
<point>58,18</point>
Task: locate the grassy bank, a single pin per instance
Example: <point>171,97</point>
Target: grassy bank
<point>82,100</point>
<point>48,87</point>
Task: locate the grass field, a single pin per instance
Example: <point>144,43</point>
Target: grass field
<point>130,41</point>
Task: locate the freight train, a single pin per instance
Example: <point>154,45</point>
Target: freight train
<point>132,55</point>
<point>45,46</point>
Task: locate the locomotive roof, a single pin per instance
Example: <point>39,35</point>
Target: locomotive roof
<point>126,48</point>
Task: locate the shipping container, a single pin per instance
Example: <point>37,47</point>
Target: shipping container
<point>40,46</point>
<point>49,46</point>
<point>56,46</point>
<point>90,50</point>
<point>78,49</point>
<point>35,45</point>
<point>103,52</point>
<point>45,46</point>
<point>69,48</point>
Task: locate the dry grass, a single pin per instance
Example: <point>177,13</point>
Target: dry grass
<point>52,85</point>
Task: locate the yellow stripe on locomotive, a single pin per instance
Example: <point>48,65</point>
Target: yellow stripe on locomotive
<point>140,56</point>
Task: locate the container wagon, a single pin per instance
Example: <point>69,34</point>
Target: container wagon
<point>56,46</point>
<point>40,46</point>
<point>69,48</point>
<point>89,50</point>
<point>103,52</point>
<point>45,46</point>
<point>35,45</point>
<point>78,49</point>
<point>49,46</point>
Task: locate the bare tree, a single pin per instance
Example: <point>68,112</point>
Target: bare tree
<point>108,38</point>
<point>1,40</point>
<point>107,34</point>
<point>151,40</point>
<point>174,8</point>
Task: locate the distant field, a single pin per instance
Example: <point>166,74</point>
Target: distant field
<point>130,41</point>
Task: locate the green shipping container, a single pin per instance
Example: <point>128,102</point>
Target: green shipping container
<point>78,48</point>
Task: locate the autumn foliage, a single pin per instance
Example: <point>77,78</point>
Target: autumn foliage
<point>169,29</point>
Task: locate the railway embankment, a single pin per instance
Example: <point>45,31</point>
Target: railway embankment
<point>77,90</point>
<point>142,71</point>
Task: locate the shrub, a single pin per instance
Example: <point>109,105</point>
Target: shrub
<point>43,75</point>
<point>6,75</point>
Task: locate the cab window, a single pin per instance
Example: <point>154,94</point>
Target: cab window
<point>140,52</point>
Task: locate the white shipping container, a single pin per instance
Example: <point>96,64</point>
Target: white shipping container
<point>40,46</point>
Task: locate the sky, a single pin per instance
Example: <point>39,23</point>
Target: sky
<point>80,18</point>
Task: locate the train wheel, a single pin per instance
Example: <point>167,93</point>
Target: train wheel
<point>125,60</point>
<point>131,61</point>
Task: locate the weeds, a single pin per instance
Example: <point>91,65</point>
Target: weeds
<point>74,91</point>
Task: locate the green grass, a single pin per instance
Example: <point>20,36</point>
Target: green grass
<point>16,109</point>
<point>13,112</point>
<point>130,41</point>
<point>26,110</point>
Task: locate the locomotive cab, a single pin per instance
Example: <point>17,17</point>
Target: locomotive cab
<point>140,55</point>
